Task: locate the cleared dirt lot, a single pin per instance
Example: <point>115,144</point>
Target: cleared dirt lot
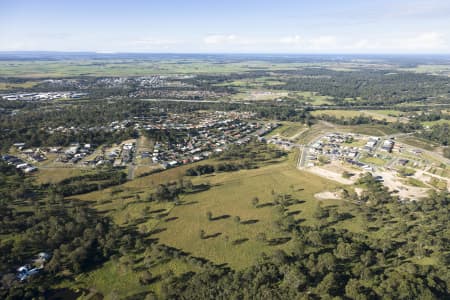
<point>334,170</point>
<point>393,183</point>
<point>329,175</point>
<point>327,195</point>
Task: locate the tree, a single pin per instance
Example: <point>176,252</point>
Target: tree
<point>146,277</point>
<point>319,212</point>
<point>354,290</point>
<point>255,201</point>
<point>346,174</point>
<point>237,219</point>
<point>328,285</point>
<point>209,215</point>
<point>326,262</point>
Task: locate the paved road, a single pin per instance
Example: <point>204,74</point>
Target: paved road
<point>132,166</point>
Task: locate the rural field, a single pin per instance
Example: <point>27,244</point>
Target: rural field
<point>228,242</point>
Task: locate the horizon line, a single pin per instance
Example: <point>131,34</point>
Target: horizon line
<point>220,53</point>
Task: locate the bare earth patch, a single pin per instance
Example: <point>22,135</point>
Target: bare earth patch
<point>327,195</point>
<point>404,191</point>
<point>329,175</point>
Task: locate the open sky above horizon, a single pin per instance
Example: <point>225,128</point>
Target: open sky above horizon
<point>246,26</point>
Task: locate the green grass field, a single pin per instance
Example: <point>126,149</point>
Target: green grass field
<point>234,244</point>
<point>53,175</point>
<point>10,86</point>
<point>377,115</point>
<point>438,122</point>
<point>231,196</point>
<point>131,67</point>
<point>418,142</point>
<point>367,129</point>
<point>373,160</point>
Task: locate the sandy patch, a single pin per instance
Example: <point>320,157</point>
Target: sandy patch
<point>327,195</point>
<point>359,191</point>
<point>329,175</point>
<point>393,183</point>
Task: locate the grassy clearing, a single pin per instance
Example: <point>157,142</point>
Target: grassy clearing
<point>373,160</point>
<point>12,86</point>
<point>315,131</point>
<point>230,242</point>
<point>313,98</point>
<point>387,112</point>
<point>113,279</point>
<point>131,67</point>
<point>438,122</point>
<point>292,130</point>
<point>54,175</point>
<point>231,196</point>
<point>415,182</point>
<point>367,129</point>
<point>419,143</point>
<point>356,113</point>
<point>288,129</point>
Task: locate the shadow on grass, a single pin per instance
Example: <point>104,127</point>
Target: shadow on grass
<point>293,213</point>
<point>170,219</point>
<point>163,215</point>
<point>157,230</point>
<point>199,188</point>
<point>278,241</point>
<point>220,217</point>
<point>239,241</point>
<point>265,204</point>
<point>300,221</point>
<point>248,222</point>
<point>157,211</point>
<point>189,203</point>
<point>211,236</point>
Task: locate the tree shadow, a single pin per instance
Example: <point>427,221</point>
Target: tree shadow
<point>138,296</point>
<point>278,241</point>
<point>170,219</point>
<point>189,203</point>
<point>211,236</point>
<point>265,204</point>
<point>239,241</point>
<point>199,188</point>
<point>163,215</point>
<point>248,222</point>
<point>220,217</point>
<point>157,230</point>
<point>157,211</point>
<point>294,212</point>
<point>345,216</point>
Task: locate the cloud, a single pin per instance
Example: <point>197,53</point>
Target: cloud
<point>419,42</point>
<point>325,42</point>
<point>219,39</point>
<point>154,42</point>
<point>151,44</point>
<point>425,41</point>
<point>292,40</point>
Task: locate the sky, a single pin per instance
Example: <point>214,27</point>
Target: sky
<point>228,26</point>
